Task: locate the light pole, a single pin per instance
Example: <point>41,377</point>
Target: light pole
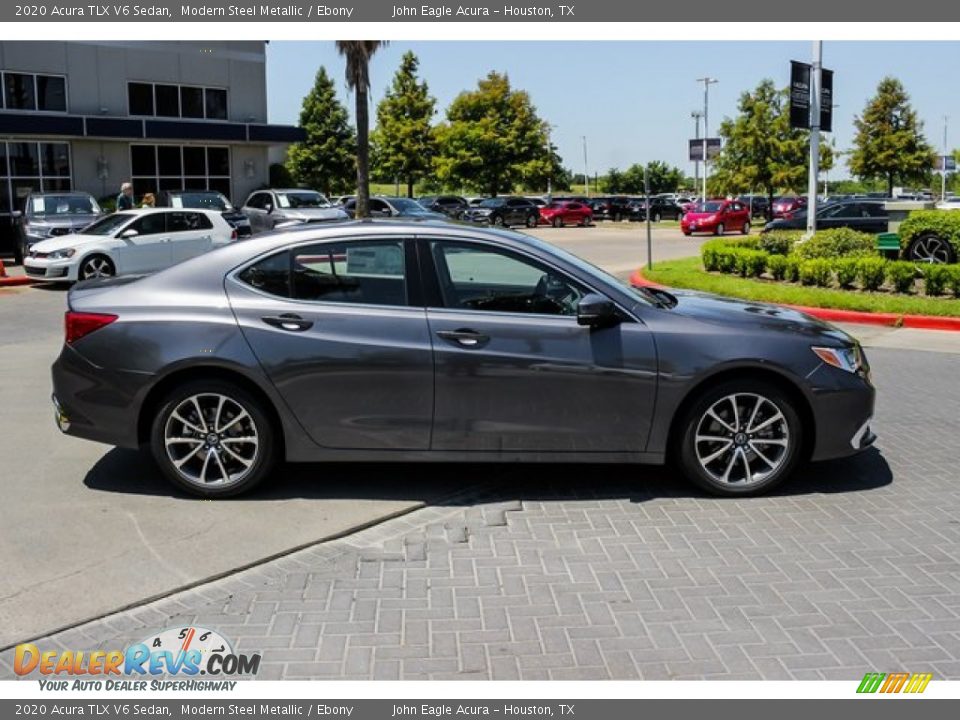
<point>696,115</point>
<point>943,161</point>
<point>814,137</point>
<point>586,174</point>
<point>707,82</point>
<point>549,127</point>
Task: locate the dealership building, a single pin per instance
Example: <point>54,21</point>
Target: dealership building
<point>87,116</point>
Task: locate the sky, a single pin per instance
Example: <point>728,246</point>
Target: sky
<point>633,100</point>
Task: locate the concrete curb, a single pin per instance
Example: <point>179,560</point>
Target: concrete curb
<point>917,322</point>
<point>11,281</point>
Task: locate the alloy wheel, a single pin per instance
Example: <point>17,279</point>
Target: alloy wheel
<point>930,249</point>
<point>96,267</point>
<point>211,440</point>
<point>742,439</point>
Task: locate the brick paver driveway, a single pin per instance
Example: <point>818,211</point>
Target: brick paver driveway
<point>618,572</point>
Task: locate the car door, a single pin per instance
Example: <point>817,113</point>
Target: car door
<point>379,208</point>
<point>337,329</point>
<point>144,245</point>
<point>255,210</point>
<point>191,234</point>
<point>876,219</point>
<point>514,369</point>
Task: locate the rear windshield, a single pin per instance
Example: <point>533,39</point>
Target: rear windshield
<point>302,199</point>
<point>203,201</point>
<point>709,207</point>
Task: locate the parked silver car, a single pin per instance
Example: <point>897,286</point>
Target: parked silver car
<point>418,341</point>
<point>47,215</point>
<point>270,208</point>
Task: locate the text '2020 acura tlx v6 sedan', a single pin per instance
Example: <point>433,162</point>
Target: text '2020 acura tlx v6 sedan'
<point>380,340</point>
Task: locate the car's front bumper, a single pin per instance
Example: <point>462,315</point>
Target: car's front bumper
<point>46,269</point>
<point>842,405</point>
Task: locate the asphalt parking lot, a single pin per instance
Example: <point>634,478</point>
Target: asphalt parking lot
<point>544,572</point>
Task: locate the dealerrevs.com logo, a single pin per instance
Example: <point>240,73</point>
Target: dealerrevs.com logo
<point>179,652</point>
<point>892,683</point>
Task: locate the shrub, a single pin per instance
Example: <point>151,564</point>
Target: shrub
<point>792,270</point>
<point>708,255</point>
<point>751,263</point>
<point>817,271</point>
<point>944,223</point>
<point>846,269</point>
<point>953,279</point>
<point>777,266</point>
<point>726,260</point>
<point>871,271</point>
<point>901,275</point>
<point>838,242</point>
<point>779,242</point>
<point>935,279</point>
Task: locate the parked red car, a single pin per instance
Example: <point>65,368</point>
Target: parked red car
<point>717,216</point>
<point>566,212</point>
<point>785,207</point>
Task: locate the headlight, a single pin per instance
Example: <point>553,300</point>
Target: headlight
<point>849,359</point>
<point>37,230</point>
<point>62,254</point>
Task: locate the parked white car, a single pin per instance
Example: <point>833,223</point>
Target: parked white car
<point>129,242</point>
<point>951,203</point>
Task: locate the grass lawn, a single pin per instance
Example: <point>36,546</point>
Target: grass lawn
<point>688,273</point>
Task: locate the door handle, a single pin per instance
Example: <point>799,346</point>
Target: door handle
<point>288,321</point>
<point>464,337</point>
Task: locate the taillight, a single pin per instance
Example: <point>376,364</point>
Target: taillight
<point>233,234</point>
<point>78,324</point>
<point>788,215</point>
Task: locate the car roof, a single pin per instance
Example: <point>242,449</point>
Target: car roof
<point>152,210</point>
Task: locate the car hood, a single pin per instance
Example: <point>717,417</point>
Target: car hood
<point>64,241</point>
<point>330,213</point>
<point>71,221</point>
<point>775,318</point>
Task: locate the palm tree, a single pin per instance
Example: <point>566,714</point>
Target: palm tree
<point>358,54</point>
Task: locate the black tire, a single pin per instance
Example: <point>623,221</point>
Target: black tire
<point>498,221</point>
<point>930,248</point>
<point>617,217</point>
<point>558,222</point>
<point>532,221</point>
<point>745,230</point>
<point>720,229</point>
<point>19,251</point>
<point>687,233</point>
<point>263,456</point>
<point>586,221</point>
<point>685,446</point>
<point>655,217</point>
<point>96,266</point>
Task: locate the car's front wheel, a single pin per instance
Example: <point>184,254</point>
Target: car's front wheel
<point>532,220</point>
<point>96,266</point>
<point>213,439</point>
<point>740,438</point>
<point>498,220</point>
<point>720,229</point>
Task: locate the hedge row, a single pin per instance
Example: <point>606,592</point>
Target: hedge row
<point>837,242</point>
<point>846,272</point>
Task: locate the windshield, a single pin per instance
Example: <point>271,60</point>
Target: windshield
<point>203,201</point>
<point>709,207</point>
<point>492,202</point>
<point>62,205</point>
<point>302,199</point>
<point>405,205</point>
<point>108,225</point>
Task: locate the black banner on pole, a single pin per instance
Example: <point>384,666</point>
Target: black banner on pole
<point>826,100</point>
<point>696,149</point>
<point>799,94</point>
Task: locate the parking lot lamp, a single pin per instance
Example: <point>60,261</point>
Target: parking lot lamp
<point>696,115</point>
<point>813,178</point>
<point>586,174</point>
<point>943,161</point>
<point>707,82</point>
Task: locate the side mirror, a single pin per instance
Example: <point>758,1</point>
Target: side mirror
<point>129,233</point>
<point>596,311</point>
<point>16,214</point>
<point>268,207</point>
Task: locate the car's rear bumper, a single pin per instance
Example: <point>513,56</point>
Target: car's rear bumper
<point>95,404</point>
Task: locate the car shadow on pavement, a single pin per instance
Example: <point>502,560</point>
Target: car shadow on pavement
<point>133,472</point>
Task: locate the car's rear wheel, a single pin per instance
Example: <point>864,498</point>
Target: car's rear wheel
<point>655,217</point>
<point>213,439</point>
<point>498,220</point>
<point>720,230</point>
<point>532,221</point>
<point>931,248</point>
<point>558,222</point>
<point>741,437</point>
<point>586,221</point>
<point>96,266</point>
<point>617,217</point>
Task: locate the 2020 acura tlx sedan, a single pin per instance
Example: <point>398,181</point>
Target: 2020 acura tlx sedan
<point>433,341</point>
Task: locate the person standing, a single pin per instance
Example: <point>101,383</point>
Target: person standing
<point>125,198</point>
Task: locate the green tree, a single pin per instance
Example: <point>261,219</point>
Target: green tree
<point>889,144</point>
<point>357,54</point>
<point>760,149</point>
<point>325,159</point>
<point>403,143</point>
<point>613,182</point>
<point>493,140</point>
<point>663,177</point>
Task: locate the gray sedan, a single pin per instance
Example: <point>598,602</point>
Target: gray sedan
<point>389,341</point>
